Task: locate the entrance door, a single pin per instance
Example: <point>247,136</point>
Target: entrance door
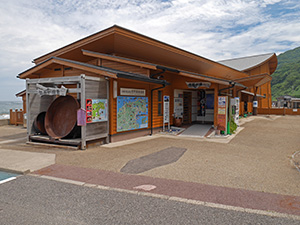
<point>187,107</point>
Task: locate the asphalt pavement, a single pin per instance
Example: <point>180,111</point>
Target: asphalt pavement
<point>35,200</point>
<point>242,179</point>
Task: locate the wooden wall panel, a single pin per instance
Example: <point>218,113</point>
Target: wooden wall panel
<point>95,89</point>
<point>94,129</point>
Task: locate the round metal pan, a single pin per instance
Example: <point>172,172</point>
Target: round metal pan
<point>61,117</point>
<point>39,123</point>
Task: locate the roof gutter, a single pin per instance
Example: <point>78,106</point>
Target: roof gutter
<point>232,84</point>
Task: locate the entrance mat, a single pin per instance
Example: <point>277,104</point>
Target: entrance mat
<point>148,162</point>
<point>197,130</point>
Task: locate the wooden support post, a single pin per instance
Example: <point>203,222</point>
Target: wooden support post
<point>28,116</point>
<point>108,110</point>
<point>254,106</point>
<point>216,92</point>
<point>82,102</point>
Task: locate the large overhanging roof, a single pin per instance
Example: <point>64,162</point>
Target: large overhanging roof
<point>119,41</point>
<point>160,67</point>
<point>248,63</point>
<point>123,42</point>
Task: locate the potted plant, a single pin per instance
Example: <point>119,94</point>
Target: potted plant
<point>178,121</point>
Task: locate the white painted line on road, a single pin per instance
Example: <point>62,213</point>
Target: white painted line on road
<point>178,199</point>
<point>13,140</point>
<point>64,180</point>
<point>6,180</point>
<point>236,208</point>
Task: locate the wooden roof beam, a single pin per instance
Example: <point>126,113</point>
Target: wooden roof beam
<point>119,59</point>
<point>69,63</point>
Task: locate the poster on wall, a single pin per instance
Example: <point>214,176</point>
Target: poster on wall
<point>132,113</point>
<point>210,101</point>
<point>178,107</point>
<point>222,113</point>
<point>96,110</point>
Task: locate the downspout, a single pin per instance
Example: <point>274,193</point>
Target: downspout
<point>232,84</point>
<point>152,90</point>
<point>163,70</point>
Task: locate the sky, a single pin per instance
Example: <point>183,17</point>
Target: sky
<point>214,29</point>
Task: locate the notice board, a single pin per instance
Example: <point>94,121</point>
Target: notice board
<point>222,112</point>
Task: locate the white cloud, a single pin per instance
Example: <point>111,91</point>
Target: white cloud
<point>215,29</point>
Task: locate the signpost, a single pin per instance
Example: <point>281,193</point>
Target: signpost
<point>166,111</point>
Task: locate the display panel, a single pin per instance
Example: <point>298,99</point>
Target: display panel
<point>132,113</point>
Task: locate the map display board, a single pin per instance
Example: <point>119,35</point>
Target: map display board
<point>96,110</point>
<point>132,113</point>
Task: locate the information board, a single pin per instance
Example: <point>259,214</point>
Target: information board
<point>96,110</point>
<point>222,113</point>
<point>132,113</point>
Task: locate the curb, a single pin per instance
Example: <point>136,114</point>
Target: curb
<point>15,171</point>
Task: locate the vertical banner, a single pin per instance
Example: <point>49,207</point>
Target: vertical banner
<point>166,109</point>
<point>222,113</point>
<point>237,112</point>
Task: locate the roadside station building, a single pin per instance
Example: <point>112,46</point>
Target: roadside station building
<point>137,83</point>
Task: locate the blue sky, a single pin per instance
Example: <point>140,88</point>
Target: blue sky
<point>219,29</point>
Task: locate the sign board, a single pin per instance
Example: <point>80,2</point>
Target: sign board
<point>132,113</point>
<point>96,110</point>
<point>42,90</point>
<point>222,113</point>
<point>166,109</point>
<point>196,85</point>
<point>132,92</point>
<point>255,104</point>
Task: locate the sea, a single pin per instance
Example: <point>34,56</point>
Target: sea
<point>5,106</point>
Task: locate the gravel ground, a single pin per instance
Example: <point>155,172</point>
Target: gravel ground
<point>258,158</point>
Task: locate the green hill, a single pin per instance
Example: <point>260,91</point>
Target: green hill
<point>286,78</point>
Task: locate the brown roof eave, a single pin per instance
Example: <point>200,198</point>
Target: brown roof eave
<point>71,63</point>
<point>134,35</point>
<point>75,44</point>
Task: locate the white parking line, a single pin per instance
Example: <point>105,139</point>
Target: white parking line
<point>6,180</point>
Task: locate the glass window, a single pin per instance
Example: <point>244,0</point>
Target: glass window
<point>159,100</point>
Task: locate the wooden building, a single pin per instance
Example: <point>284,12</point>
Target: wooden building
<point>135,75</point>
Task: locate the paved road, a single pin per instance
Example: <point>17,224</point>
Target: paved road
<point>35,200</point>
